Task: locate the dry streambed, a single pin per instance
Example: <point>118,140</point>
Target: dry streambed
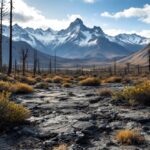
<point>77,117</point>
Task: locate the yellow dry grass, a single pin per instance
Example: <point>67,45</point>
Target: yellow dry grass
<point>61,147</point>
<point>11,112</point>
<point>91,81</point>
<point>129,137</point>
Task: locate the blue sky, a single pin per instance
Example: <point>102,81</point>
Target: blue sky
<point>113,16</point>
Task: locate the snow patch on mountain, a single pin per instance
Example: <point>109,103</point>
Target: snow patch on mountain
<point>78,41</point>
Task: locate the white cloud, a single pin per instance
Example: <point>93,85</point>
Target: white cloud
<point>28,16</point>
<point>143,14</point>
<point>114,32</point>
<point>145,33</point>
<point>89,1</point>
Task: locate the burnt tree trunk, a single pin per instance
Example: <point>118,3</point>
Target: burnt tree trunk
<point>1,33</point>
<point>24,58</point>
<point>35,61</point>
<point>10,39</point>
<point>115,67</point>
<point>149,60</point>
<point>50,65</point>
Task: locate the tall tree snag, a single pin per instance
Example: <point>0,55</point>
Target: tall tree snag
<point>24,55</point>
<point>10,39</point>
<point>35,61</point>
<point>149,60</point>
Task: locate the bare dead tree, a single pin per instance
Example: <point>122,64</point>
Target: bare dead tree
<point>15,67</point>
<point>50,65</point>
<point>128,68</point>
<point>27,66</point>
<point>125,71</point>
<point>35,61</point>
<point>55,63</point>
<point>149,60</point>
<point>138,69</point>
<point>39,66</point>
<point>110,71</point>
<point>24,55</point>
<point>10,39</point>
<point>115,67</point>
<point>1,32</point>
<point>2,14</point>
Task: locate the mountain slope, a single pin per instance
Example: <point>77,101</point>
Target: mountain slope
<point>133,42</point>
<point>43,58</point>
<point>79,41</point>
<point>17,48</point>
<point>138,58</point>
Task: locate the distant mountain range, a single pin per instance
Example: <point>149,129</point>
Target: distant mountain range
<point>17,48</point>
<point>140,57</point>
<point>42,57</point>
<point>78,41</point>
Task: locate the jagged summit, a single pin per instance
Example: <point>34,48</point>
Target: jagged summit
<point>79,41</point>
<point>78,21</point>
<point>77,25</point>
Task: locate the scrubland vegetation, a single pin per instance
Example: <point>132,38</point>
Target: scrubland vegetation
<point>11,113</point>
<point>134,92</point>
<point>113,79</point>
<point>57,79</point>
<point>138,94</point>
<point>91,81</point>
<point>17,88</point>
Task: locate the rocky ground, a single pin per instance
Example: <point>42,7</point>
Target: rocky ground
<point>78,117</point>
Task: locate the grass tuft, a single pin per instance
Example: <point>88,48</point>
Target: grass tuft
<point>91,81</point>
<point>57,79</point>
<point>129,137</point>
<point>21,88</point>
<point>5,86</point>
<point>49,80</point>
<point>17,88</point>
<point>61,147</point>
<point>135,95</point>
<point>113,79</point>
<point>67,85</point>
<point>42,85</point>
<point>28,80</point>
<point>105,92</point>
<point>11,112</point>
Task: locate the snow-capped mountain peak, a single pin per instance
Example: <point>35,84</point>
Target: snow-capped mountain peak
<point>77,22</point>
<point>78,41</point>
<point>132,39</point>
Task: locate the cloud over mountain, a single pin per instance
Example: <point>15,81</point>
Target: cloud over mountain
<point>28,16</point>
<point>141,13</point>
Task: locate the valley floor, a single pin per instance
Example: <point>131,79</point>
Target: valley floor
<point>77,117</point>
